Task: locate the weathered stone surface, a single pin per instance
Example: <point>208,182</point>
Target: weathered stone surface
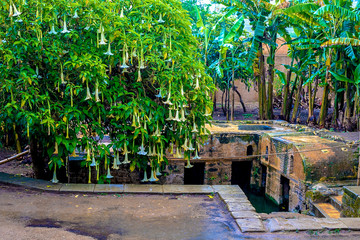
<point>300,224</point>
<point>305,224</point>
<point>351,223</point>
<point>245,214</point>
<point>112,188</point>
<point>77,187</point>
<point>236,207</point>
<point>229,189</point>
<point>224,196</point>
<point>182,189</point>
<point>250,225</point>
<point>330,223</point>
<point>145,188</point>
<point>236,200</point>
<point>273,225</point>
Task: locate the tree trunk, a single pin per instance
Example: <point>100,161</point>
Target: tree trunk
<point>17,140</point>
<point>233,96</point>
<point>263,86</point>
<point>270,93</point>
<point>40,159</point>
<point>297,101</point>
<point>286,94</point>
<point>290,101</point>
<point>324,106</point>
<point>241,101</point>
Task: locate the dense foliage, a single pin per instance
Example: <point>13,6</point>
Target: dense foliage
<point>73,72</point>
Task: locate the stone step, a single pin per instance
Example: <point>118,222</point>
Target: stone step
<point>326,210</point>
<point>336,201</point>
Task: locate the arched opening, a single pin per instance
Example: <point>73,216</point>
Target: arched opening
<point>266,153</point>
<point>249,150</point>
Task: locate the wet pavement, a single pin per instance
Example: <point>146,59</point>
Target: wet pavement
<point>30,214</point>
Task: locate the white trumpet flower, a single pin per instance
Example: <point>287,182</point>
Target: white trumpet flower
<point>170,118</point>
<point>168,102</point>
<point>160,19</point>
<point>184,146</point>
<point>117,158</point>
<point>197,85</point>
<point>150,154</point>
<point>196,155</point>
<point>152,177</point>
<point>65,30</point>
<point>191,148</point>
<point>188,164</point>
<point>159,95</point>
<point>177,116</point>
<point>53,30</point>
<point>115,165</point>
<point>122,13</point>
<point>126,160</point>
<point>88,94</point>
<point>93,162</point>
<point>109,53</point>
<point>16,12</point>
<point>158,173</point>
<point>182,119</point>
<point>75,15</point>
<point>109,176</point>
<point>145,179</point>
<point>11,12</point>
<point>102,38</point>
<point>178,154</point>
<point>194,130</point>
<point>54,179</point>
<point>142,149</point>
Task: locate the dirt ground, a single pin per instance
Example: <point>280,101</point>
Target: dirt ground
<point>20,166</point>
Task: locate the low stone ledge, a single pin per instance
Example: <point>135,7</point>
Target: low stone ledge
<point>68,187</point>
<point>145,188</point>
<point>245,214</point>
<point>330,223</point>
<point>250,225</point>
<point>351,223</point>
<point>236,207</point>
<point>109,188</point>
<point>188,189</point>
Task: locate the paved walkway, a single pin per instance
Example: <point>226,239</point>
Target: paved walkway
<point>236,202</point>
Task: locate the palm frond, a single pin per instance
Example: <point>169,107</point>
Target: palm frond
<point>341,42</point>
<point>338,12</point>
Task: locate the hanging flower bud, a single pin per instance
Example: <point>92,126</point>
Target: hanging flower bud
<point>88,95</point>
<point>139,76</point>
<point>97,99</point>
<point>93,162</point>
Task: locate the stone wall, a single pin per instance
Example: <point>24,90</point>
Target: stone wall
<point>351,202</point>
<point>218,173</point>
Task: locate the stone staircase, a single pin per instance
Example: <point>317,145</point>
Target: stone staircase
<point>329,210</point>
